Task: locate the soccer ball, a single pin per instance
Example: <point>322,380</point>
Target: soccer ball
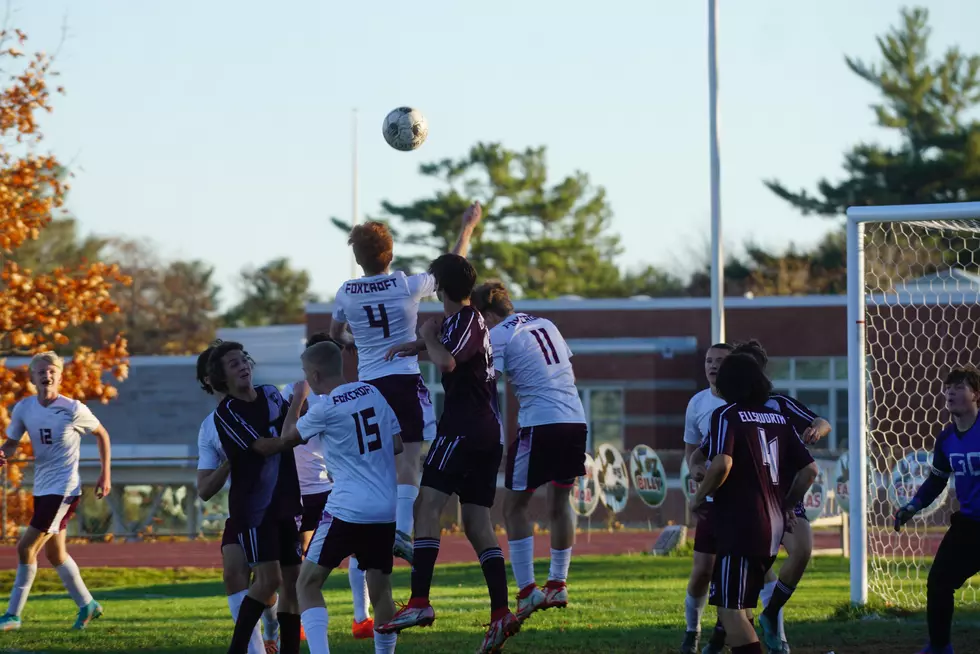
<point>405,129</point>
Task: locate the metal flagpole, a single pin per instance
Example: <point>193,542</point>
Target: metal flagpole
<point>717,256</point>
<point>355,213</point>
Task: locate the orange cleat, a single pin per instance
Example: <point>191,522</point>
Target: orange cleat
<point>362,630</point>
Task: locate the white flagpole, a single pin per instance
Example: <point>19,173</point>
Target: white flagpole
<point>355,213</point>
<point>717,256</point>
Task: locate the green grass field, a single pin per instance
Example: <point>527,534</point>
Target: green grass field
<point>619,604</point>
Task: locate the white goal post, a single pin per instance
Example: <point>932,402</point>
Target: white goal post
<point>913,286</point>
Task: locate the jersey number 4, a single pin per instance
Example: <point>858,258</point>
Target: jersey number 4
<point>367,429</point>
<point>380,320</point>
<point>549,352</point>
<point>45,436</point>
<point>770,455</point>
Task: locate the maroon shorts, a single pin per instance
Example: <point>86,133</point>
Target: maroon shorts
<point>273,540</point>
<point>229,536</point>
<point>704,534</point>
<point>736,581</point>
<point>544,453</point>
<point>52,512</point>
<point>409,398</point>
<point>335,540</point>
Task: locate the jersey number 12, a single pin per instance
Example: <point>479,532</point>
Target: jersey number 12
<point>380,320</point>
<point>367,429</point>
<point>45,435</point>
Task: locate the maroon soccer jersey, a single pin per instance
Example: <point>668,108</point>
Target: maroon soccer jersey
<point>471,389</point>
<point>747,514</point>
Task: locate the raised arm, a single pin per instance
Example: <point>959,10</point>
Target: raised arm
<point>471,218</point>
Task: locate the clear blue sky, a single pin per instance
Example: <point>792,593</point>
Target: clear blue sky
<point>220,129</point>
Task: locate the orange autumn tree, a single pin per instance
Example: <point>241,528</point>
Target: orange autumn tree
<point>36,311</point>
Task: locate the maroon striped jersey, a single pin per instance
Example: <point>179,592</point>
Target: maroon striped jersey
<point>747,514</point>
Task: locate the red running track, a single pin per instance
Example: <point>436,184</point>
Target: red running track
<point>454,549</point>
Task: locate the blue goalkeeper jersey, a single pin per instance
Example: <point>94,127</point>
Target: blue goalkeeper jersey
<point>957,454</point>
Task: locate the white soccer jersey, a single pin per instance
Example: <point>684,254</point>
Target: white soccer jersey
<point>56,432</point>
<point>382,312</point>
<point>538,363</point>
<point>356,428</point>
<point>697,420</point>
<point>210,454</point>
<point>311,469</point>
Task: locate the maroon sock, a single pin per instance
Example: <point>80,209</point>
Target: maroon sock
<point>289,626</point>
<point>751,648</point>
<point>495,572</point>
<point>423,565</point>
<point>248,617</point>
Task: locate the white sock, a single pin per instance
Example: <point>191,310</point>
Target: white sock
<point>405,508</point>
<point>255,645</point>
<point>693,608</point>
<point>315,623</point>
<point>560,560</point>
<point>270,621</point>
<point>72,579</point>
<point>22,587</point>
<point>384,643</point>
<point>521,554</point>
<point>765,596</point>
<point>358,588</point>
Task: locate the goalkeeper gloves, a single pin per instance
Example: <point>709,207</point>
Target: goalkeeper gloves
<point>905,514</point>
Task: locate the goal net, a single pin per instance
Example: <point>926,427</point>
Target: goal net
<point>921,297</point>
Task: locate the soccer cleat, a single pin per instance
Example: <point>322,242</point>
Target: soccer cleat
<point>499,631</point>
<point>362,630</point>
<point>9,622</point>
<point>529,600</point>
<point>302,634</point>
<point>86,614</point>
<point>770,633</point>
<point>555,595</point>
<point>691,641</point>
<point>717,643</point>
<point>418,615</point>
<point>271,647</point>
<point>403,548</point>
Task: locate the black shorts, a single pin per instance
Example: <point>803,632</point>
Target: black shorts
<point>312,511</point>
<point>335,540</point>
<point>544,453</point>
<point>737,580</point>
<point>228,535</point>
<point>466,466</point>
<point>704,533</point>
<point>52,512</point>
<point>409,398</point>
<point>273,540</point>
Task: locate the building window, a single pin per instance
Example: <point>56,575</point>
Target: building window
<point>821,384</point>
<point>604,413</point>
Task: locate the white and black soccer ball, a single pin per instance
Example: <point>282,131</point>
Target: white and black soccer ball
<point>405,129</point>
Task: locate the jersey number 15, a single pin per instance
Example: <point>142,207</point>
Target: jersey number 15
<point>368,429</point>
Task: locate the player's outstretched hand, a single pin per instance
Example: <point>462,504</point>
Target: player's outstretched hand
<point>809,436</point>
<point>403,350</point>
<point>698,472</point>
<point>472,216</point>
<point>903,515</point>
<point>103,486</point>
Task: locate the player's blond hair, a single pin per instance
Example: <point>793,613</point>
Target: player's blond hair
<point>326,358</point>
<point>48,357</point>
